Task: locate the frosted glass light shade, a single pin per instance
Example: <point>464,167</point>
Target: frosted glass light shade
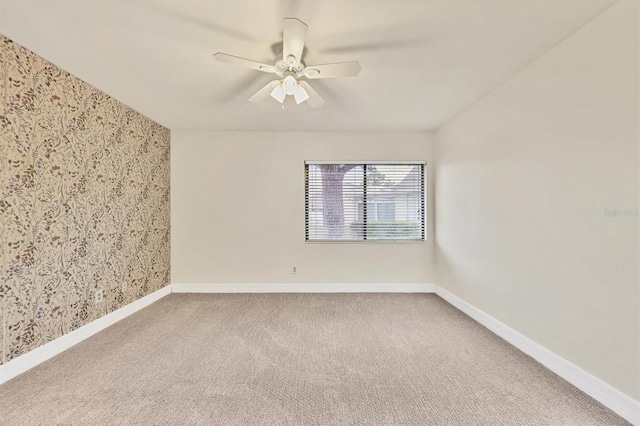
<point>278,93</point>
<point>300,95</point>
<point>289,84</point>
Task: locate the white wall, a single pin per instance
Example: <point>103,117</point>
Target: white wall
<point>525,178</point>
<point>238,210</point>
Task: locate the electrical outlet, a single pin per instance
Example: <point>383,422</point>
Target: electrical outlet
<point>294,270</point>
<point>99,296</point>
<point>125,286</point>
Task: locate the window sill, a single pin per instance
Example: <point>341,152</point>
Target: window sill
<point>367,241</point>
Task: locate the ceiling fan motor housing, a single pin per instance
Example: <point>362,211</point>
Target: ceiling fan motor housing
<point>281,67</point>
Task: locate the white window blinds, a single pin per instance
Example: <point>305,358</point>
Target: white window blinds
<point>364,201</point>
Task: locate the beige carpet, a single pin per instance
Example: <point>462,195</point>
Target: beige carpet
<point>296,359</point>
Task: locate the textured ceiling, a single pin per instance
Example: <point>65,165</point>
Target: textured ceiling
<point>422,61</point>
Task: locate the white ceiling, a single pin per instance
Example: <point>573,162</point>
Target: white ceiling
<point>423,61</point>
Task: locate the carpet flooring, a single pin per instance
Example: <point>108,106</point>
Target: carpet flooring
<point>296,359</point>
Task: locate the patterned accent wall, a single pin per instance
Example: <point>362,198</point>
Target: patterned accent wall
<point>84,202</point>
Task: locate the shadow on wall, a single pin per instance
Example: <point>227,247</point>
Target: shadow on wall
<point>84,202</point>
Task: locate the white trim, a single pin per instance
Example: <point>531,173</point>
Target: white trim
<point>303,288</point>
<point>39,355</point>
<point>623,405</point>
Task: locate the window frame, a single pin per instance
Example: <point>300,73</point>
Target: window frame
<point>422,204</point>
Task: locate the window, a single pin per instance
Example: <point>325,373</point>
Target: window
<point>364,201</point>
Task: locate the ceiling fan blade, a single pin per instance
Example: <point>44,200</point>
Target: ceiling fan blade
<point>314,100</point>
<point>339,69</point>
<point>264,93</point>
<point>293,38</point>
<point>248,63</point>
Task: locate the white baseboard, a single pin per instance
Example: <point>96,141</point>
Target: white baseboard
<point>623,405</point>
<point>617,401</point>
<point>303,288</point>
<point>39,355</point>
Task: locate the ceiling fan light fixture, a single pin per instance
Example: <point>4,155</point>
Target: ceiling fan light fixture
<point>278,93</point>
<point>289,84</point>
<point>288,66</point>
<point>300,95</point>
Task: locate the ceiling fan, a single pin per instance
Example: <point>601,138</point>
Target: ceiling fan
<point>289,68</point>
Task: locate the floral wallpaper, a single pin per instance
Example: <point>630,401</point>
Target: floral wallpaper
<point>84,202</point>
